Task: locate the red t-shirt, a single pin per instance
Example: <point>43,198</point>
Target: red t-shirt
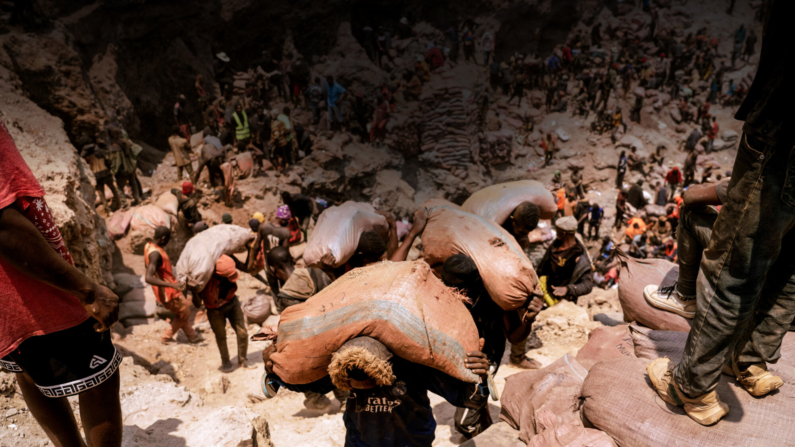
<point>30,307</point>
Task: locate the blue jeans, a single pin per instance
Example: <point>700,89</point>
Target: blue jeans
<point>334,114</point>
<point>745,298</point>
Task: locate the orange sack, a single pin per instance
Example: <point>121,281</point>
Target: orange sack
<point>401,304</point>
<point>507,274</point>
<point>497,202</point>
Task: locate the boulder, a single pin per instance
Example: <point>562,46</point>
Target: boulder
<point>729,136</point>
<point>563,135</point>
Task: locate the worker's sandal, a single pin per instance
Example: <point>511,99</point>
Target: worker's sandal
<point>669,300</point>
<point>706,409</point>
<point>756,379</point>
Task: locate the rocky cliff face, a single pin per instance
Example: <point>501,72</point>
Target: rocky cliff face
<point>44,144</point>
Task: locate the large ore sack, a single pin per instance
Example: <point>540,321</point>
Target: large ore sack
<point>120,222</point>
<point>337,233</point>
<point>497,202</point>
<point>257,309</point>
<point>401,304</point>
<point>620,400</point>
<point>507,274</point>
<point>634,276</point>
<point>437,202</point>
<point>605,343</point>
<point>148,217</point>
<point>168,202</point>
<point>197,262</point>
<point>555,388</point>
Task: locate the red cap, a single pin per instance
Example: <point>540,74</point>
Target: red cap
<point>187,187</point>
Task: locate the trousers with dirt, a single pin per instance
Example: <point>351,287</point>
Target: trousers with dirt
<point>745,299</point>
<point>232,312</point>
<point>692,238</point>
<point>179,307</point>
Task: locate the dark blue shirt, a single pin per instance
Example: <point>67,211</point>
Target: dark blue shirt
<point>399,415</point>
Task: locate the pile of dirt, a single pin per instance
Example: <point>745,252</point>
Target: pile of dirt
<point>559,330</point>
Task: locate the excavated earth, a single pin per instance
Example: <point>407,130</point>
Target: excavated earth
<point>71,73</point>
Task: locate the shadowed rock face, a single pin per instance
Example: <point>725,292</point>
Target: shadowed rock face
<point>160,47</point>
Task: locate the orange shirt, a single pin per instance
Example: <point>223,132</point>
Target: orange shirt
<point>222,286</point>
<point>561,198</point>
<point>632,231</point>
<point>164,272</point>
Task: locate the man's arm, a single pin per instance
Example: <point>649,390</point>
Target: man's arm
<point>392,242</point>
<point>23,246</point>
<point>518,323</point>
<point>151,272</point>
<point>417,227</point>
<point>701,195</point>
<point>583,286</point>
<point>253,251</point>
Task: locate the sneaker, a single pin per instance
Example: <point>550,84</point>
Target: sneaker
<point>706,409</point>
<point>525,363</point>
<point>669,299</point>
<point>756,379</point>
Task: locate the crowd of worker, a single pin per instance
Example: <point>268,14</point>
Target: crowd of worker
<point>55,332</point>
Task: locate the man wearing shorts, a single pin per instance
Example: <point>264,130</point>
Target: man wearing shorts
<point>54,320</point>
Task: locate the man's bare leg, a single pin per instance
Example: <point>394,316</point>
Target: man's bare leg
<point>53,415</point>
<point>100,412</point>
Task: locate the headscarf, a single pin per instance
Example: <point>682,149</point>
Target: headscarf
<point>283,212</point>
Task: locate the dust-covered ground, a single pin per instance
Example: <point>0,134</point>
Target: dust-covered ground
<point>175,394</point>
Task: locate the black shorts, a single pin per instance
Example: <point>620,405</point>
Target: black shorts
<point>68,362</point>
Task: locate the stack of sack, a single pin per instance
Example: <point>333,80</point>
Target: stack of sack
<point>403,131</point>
<point>496,146</point>
<point>337,231</point>
<point>619,400</point>
<point>137,300</point>
<point>448,127</point>
<point>402,305</point>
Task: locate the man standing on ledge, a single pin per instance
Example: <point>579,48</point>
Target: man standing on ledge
<point>743,303</point>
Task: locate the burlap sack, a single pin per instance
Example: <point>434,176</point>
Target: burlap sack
<point>651,344</point>
<point>402,305</point>
<point>634,276</point>
<point>197,262</point>
<point>497,202</point>
<point>570,434</point>
<point>168,202</point>
<point>619,399</point>
<point>605,343</point>
<point>507,274</point>
<point>148,217</point>
<point>434,203</point>
<point>337,233</point>
<point>555,388</point>
<point>257,308</point>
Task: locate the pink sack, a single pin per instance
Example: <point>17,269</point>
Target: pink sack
<point>119,223</point>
